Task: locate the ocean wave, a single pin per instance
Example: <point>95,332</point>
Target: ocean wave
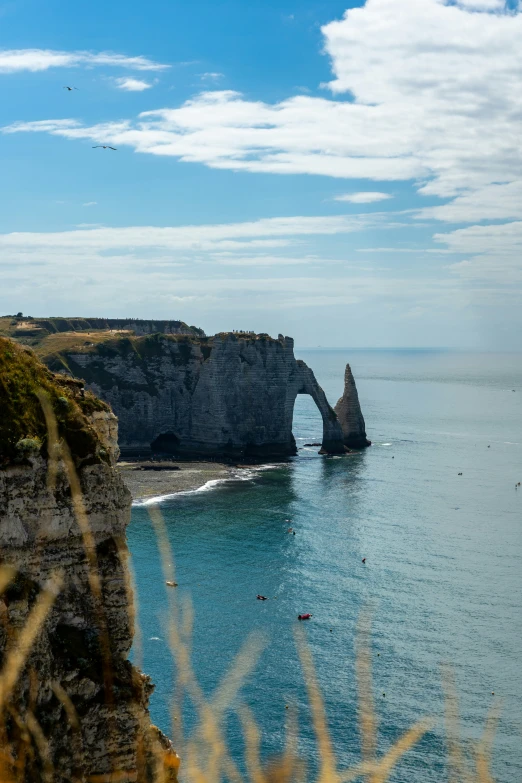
<point>241,474</point>
<point>169,495</point>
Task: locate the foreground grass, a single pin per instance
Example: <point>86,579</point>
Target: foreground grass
<point>204,753</point>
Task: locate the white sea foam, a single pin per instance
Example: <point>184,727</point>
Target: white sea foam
<point>242,474</point>
<point>168,496</point>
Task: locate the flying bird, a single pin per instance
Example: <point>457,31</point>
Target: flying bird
<point>104,147</point>
<point>70,88</point>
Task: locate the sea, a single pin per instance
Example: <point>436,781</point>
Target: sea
<point>433,505</point>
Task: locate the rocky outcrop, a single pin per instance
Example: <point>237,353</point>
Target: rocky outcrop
<point>349,413</point>
<point>79,709</point>
<point>229,395</point>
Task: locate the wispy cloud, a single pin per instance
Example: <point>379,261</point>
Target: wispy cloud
<point>211,76</point>
<point>365,197</point>
<point>492,201</point>
<point>132,85</point>
<point>198,237</point>
<point>15,60</point>
<point>275,261</point>
<point>90,204</point>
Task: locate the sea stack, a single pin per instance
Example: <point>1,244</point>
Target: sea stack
<point>77,696</point>
<point>350,416</point>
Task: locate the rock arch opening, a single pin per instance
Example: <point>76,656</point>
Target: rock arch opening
<point>305,383</point>
<point>307,422</point>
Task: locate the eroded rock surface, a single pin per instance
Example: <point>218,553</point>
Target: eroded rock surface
<point>229,395</point>
<point>40,536</point>
<point>349,413</point>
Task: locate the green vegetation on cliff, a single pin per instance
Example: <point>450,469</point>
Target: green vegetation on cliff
<point>62,352</point>
<point>38,332</point>
<point>23,429</point>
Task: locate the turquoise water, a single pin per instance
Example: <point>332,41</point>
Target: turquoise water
<point>443,570</point>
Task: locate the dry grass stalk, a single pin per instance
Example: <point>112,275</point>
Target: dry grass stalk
<point>485,746</point>
<point>6,575</point>
<point>59,451</point>
<point>205,754</point>
<point>328,767</point>
<point>19,652</point>
<point>207,742</point>
<point>252,746</point>
<point>458,771</point>
<point>363,668</point>
<point>42,746</point>
<point>72,716</point>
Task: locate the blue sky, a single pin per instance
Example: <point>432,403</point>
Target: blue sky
<point>346,174</point>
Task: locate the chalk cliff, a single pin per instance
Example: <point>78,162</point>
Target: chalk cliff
<point>67,672</point>
<point>228,395</point>
<point>350,416</point>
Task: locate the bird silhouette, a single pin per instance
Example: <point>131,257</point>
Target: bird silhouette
<point>70,88</point>
<point>104,147</point>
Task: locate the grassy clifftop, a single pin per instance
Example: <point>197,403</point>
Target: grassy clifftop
<point>56,349</point>
<point>22,424</point>
<point>35,332</point>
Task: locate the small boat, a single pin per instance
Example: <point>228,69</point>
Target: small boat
<point>171,584</point>
<point>306,616</point>
<point>261,598</point>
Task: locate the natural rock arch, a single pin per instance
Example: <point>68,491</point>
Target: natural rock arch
<point>231,395</point>
<point>304,381</point>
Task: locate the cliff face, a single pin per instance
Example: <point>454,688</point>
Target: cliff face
<point>227,395</point>
<point>40,536</point>
<point>349,413</point>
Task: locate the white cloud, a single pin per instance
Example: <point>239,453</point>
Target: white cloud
<point>503,240</point>
<point>211,76</point>
<point>490,202</point>
<point>426,90</point>
<point>232,236</point>
<point>494,257</point>
<point>132,85</point>
<point>483,5</point>
<point>365,197</point>
<point>90,204</point>
<point>15,60</point>
<point>267,258</point>
<point>232,260</point>
<point>398,249</point>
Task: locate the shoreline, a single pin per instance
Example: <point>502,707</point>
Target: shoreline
<point>147,480</point>
<point>154,481</point>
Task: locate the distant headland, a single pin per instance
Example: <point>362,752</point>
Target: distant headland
<point>178,393</point>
